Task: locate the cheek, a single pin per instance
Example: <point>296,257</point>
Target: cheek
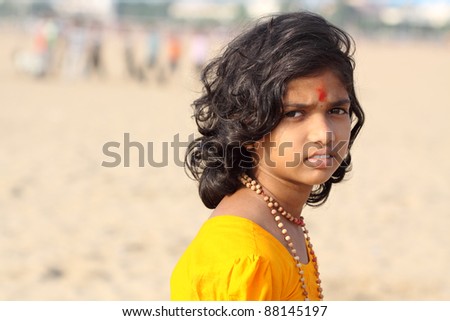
<point>287,147</point>
<point>342,133</point>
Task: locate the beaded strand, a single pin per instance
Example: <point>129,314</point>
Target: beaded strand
<point>276,210</point>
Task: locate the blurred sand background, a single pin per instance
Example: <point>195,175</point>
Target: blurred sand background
<point>71,229</point>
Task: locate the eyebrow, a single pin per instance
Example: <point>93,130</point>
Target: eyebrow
<point>339,102</point>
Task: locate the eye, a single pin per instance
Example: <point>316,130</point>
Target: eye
<point>294,114</point>
<point>338,111</point>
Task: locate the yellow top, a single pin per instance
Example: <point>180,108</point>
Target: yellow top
<point>233,258</point>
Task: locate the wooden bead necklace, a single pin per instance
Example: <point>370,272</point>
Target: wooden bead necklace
<point>276,210</point>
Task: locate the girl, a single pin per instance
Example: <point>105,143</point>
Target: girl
<point>277,117</point>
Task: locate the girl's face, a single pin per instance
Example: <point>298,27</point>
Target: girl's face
<point>312,139</point>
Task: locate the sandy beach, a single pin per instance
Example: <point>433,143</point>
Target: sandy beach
<point>72,229</point>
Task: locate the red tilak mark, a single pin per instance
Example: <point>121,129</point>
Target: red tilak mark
<point>322,94</point>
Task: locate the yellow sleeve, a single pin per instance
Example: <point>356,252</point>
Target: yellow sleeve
<point>248,278</point>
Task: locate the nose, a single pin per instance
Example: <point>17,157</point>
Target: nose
<point>320,130</point>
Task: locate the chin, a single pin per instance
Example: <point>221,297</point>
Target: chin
<point>318,179</point>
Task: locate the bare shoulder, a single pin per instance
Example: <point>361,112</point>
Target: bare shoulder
<point>243,203</point>
<point>247,204</point>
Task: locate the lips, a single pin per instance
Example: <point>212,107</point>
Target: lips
<point>321,156</point>
<point>319,159</point>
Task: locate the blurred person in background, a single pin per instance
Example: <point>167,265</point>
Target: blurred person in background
<point>75,56</point>
<point>95,63</point>
<point>174,48</point>
<point>199,50</point>
<point>42,60</point>
<point>153,47</point>
<point>154,65</point>
<point>134,67</point>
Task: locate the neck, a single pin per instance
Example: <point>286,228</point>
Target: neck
<point>290,195</point>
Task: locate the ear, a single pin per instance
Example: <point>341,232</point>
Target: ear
<point>250,147</point>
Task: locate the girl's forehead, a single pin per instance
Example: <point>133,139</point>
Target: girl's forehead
<point>321,93</point>
<point>320,85</point>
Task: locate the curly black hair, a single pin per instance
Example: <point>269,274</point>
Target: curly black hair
<point>242,98</point>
